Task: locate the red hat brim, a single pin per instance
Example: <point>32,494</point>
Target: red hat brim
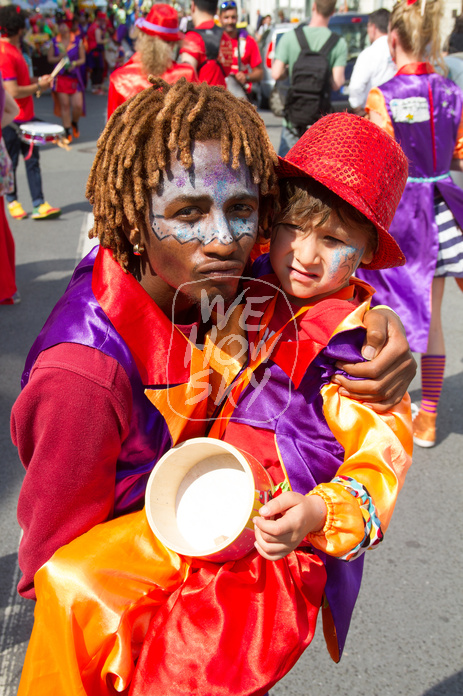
<point>388,253</point>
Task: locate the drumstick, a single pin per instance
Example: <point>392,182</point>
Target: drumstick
<point>63,62</point>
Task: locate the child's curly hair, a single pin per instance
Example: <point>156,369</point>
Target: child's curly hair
<point>136,146</point>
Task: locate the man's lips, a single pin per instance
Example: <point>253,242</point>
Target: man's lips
<point>224,268</point>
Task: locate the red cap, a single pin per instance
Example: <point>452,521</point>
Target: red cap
<point>101,15</point>
<point>363,165</point>
<point>161,21</point>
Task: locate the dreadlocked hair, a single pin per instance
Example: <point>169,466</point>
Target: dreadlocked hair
<point>142,134</point>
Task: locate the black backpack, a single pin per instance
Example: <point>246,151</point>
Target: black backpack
<point>212,38</point>
<point>308,97</point>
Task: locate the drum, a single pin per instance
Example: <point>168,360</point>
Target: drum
<point>41,133</point>
<point>201,498</point>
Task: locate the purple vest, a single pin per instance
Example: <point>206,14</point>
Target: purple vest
<point>311,455</point>
<point>433,106</point>
<point>78,318</point>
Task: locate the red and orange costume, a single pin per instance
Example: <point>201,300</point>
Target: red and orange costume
<point>115,597</point>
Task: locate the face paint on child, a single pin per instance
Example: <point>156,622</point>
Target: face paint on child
<point>313,261</point>
<point>344,263</point>
<point>210,202</point>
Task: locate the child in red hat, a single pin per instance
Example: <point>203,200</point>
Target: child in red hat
<point>124,612</point>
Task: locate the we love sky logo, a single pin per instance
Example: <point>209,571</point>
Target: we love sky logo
<point>237,346</point>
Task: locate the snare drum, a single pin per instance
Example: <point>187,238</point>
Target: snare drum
<point>40,132</point>
<point>201,498</point>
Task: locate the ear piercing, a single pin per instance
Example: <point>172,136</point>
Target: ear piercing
<point>138,249</point>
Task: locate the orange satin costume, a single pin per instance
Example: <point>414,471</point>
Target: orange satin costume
<point>116,596</point>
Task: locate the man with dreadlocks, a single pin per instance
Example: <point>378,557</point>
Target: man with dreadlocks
<point>183,177</point>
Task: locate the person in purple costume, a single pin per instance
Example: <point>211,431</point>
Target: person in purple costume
<point>68,86</point>
<point>423,111</point>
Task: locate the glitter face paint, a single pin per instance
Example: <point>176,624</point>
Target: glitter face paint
<point>313,261</point>
<point>209,202</point>
<point>204,224</point>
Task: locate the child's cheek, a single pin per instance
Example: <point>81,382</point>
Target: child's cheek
<point>344,262</point>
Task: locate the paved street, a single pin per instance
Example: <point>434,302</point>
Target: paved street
<point>406,637</point>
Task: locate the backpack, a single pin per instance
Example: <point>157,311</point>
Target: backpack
<point>212,38</point>
<point>308,97</point>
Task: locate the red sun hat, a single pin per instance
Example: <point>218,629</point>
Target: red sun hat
<point>363,165</point>
<point>161,21</point>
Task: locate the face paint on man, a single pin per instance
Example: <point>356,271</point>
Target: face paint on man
<point>203,225</point>
<point>210,202</point>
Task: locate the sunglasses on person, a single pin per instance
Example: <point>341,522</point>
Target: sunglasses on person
<point>228,5</point>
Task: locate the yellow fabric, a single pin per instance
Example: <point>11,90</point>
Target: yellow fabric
<point>376,102</point>
<point>378,450</point>
<point>186,407</point>
<point>225,352</point>
<point>108,594</point>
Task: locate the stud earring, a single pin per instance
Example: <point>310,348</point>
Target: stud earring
<point>138,249</point>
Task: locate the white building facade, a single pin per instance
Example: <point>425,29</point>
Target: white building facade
<point>296,10</point>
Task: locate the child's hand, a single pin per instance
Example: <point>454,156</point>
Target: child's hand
<point>297,516</point>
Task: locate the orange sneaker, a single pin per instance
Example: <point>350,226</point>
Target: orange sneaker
<point>424,429</point>
<point>75,129</point>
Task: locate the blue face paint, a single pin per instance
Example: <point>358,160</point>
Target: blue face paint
<point>211,202</point>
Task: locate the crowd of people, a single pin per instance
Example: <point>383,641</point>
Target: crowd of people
<point>188,195</point>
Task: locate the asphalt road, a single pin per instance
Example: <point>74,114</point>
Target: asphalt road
<point>406,637</point>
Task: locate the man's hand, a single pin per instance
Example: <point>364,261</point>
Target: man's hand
<point>297,516</point>
<point>390,367</point>
<point>240,77</point>
<point>44,82</point>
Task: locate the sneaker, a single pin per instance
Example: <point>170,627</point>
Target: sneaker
<point>424,428</point>
<point>97,90</point>
<point>45,212</point>
<point>16,210</point>
<point>16,299</point>
<point>75,130</point>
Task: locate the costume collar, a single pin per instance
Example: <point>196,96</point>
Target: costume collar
<point>150,336</point>
<point>416,69</point>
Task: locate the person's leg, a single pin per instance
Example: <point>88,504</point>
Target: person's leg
<point>77,107</point>
<point>259,616</point>
<point>65,107</point>
<point>13,146</point>
<point>34,175</point>
<point>432,372</point>
<point>8,288</point>
<point>42,210</point>
<point>288,139</point>
<point>95,600</point>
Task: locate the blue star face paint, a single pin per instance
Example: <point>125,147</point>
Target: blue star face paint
<point>208,203</point>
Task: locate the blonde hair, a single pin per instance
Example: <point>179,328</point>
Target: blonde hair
<point>419,33</point>
<point>139,138</point>
<point>156,55</point>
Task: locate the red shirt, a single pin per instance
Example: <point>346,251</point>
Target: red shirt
<point>14,67</point>
<point>249,55</point>
<point>129,80</point>
<point>210,72</point>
